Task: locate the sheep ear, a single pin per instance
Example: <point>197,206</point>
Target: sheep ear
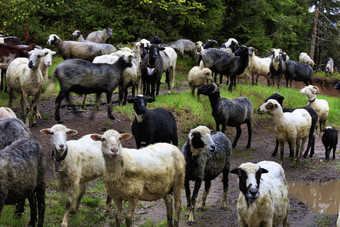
<point>71,132</point>
<point>53,53</point>
<point>46,131</point>
<point>236,171</point>
<point>131,101</point>
<point>263,170</point>
<point>96,137</point>
<point>161,48</point>
<point>315,90</point>
<point>126,136</point>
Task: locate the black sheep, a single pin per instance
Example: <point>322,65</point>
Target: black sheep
<point>299,72</point>
<point>330,140</point>
<point>229,112</point>
<point>223,63</point>
<point>152,126</point>
<point>84,77</point>
<point>206,156</point>
<point>311,138</point>
<point>22,175</point>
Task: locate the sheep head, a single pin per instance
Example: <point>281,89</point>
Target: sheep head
<point>249,179</point>
<point>277,97</point>
<point>200,139</point>
<point>111,142</point>
<point>310,91</point>
<point>139,105</point>
<point>269,106</point>
<point>208,89</point>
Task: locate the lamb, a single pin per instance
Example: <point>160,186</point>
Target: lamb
<point>83,77</point>
<point>229,112</point>
<point>277,66</point>
<point>330,140</point>
<point>12,129</point>
<point>149,174</point>
<point>6,112</point>
<point>84,50</point>
<point>100,36</point>
<point>299,72</point>
<point>258,66</point>
<point>25,77</point>
<point>22,168</point>
<point>152,125</point>
<point>82,162</point>
<point>289,127</point>
<point>198,77</point>
<point>225,64</point>
<point>319,105</point>
<point>263,198</point>
<point>206,156</point>
<point>311,138</point>
<point>184,46</point>
<point>329,69</point>
<point>304,58</point>
<point>78,36</point>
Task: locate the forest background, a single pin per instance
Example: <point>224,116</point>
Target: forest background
<point>263,24</point>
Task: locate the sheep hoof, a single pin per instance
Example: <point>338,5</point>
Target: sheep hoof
<point>112,117</point>
<point>248,146</point>
<point>200,209</point>
<point>190,223</point>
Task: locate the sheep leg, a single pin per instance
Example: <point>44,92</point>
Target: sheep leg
<point>296,157</point>
<point>125,96</point>
<point>193,92</point>
<point>276,148</point>
<point>221,78</point>
<point>108,203</point>
<point>33,208</point>
<point>26,108</point>
<point>157,88</point>
<point>334,149</point>
<point>81,192</point>
<point>193,201</point>
<point>84,100</point>
<point>168,203</point>
<point>218,126</point>
<point>248,122</point>
<point>204,196</point>
<point>98,102</point>
<point>41,202</point>
<point>302,147</point>
<point>130,212</point>
<point>187,193</point>
<point>225,181</point>
<point>328,150</point>
<point>282,146</point>
<point>118,206</point>
<point>68,209</point>
<point>58,100</point>
<point>10,96</point>
<point>238,134</point>
<point>109,104</point>
<point>177,192</point>
<point>291,151</point>
<point>35,101</point>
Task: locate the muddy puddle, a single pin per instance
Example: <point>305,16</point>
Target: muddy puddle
<point>323,198</point>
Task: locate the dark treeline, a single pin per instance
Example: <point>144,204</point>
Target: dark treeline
<point>260,23</point>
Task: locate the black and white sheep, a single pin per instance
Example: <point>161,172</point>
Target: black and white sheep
<point>184,46</point>
<point>227,112</point>
<point>84,77</point>
<point>311,139</point>
<point>22,171</point>
<point>206,156</point>
<point>329,140</point>
<point>225,64</point>
<point>299,72</point>
<point>152,125</point>
<point>329,69</point>
<point>263,198</point>
<point>277,66</point>
<point>232,44</point>
<point>100,36</point>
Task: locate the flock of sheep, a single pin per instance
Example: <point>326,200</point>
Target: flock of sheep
<point>156,169</point>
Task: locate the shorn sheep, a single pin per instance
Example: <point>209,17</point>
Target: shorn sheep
<point>25,77</point>
<point>263,198</point>
<point>319,105</point>
<point>329,140</point>
<point>198,77</point>
<point>149,174</point>
<point>311,139</point>
<point>304,58</point>
<point>84,50</point>
<point>22,170</point>
<point>152,125</point>
<point>289,127</point>
<point>100,36</point>
<point>82,161</point>
<point>227,112</point>
<point>258,66</point>
<point>206,157</point>
<point>84,77</point>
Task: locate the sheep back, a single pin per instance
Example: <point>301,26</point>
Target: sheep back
<point>12,129</point>
<point>299,72</point>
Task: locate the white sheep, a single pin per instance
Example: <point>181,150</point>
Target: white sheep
<point>82,161</point>
<point>198,77</point>
<point>304,58</point>
<point>149,174</point>
<point>77,36</point>
<point>6,112</point>
<point>319,105</point>
<point>258,66</point>
<point>84,50</point>
<point>100,36</point>
<point>25,77</point>
<point>263,198</point>
<point>289,127</point>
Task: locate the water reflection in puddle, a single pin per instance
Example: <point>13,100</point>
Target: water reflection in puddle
<point>323,198</point>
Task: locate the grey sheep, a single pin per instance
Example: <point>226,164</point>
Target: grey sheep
<point>84,50</point>
<point>84,77</point>
<point>299,72</point>
<point>227,112</point>
<point>206,156</point>
<point>22,171</point>
<point>100,36</point>
<point>12,129</point>
<point>184,46</point>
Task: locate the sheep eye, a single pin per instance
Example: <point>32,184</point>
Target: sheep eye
<point>103,139</point>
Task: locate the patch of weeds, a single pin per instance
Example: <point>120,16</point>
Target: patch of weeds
<point>150,223</point>
<point>244,154</point>
<point>45,116</point>
<point>325,221</point>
